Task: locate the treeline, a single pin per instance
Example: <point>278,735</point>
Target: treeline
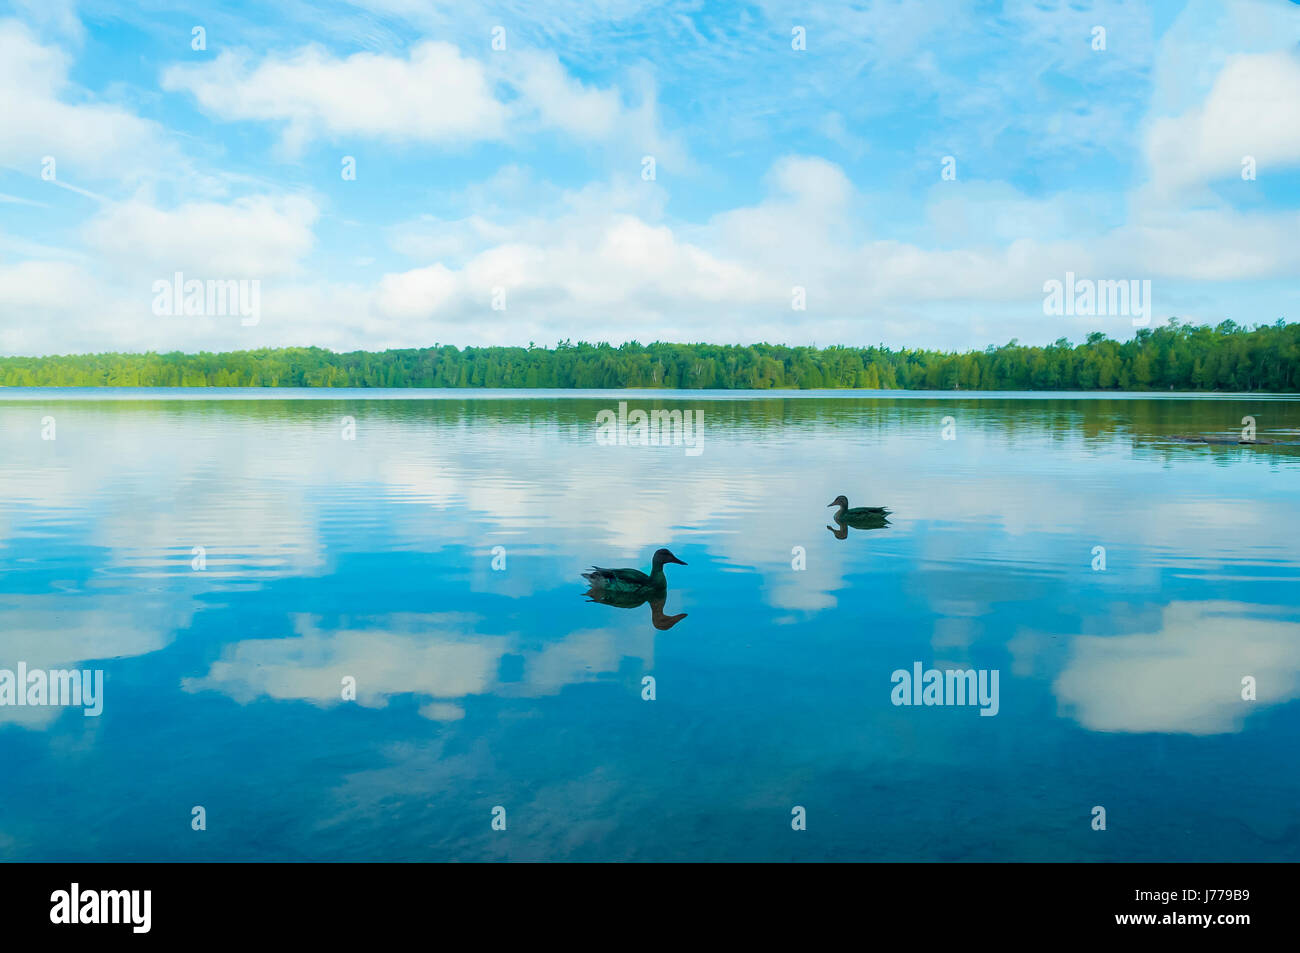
<point>1177,356</point>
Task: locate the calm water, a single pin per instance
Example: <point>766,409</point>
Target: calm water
<point>478,687</point>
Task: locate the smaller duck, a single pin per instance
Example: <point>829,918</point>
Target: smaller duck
<point>632,580</point>
<point>868,517</point>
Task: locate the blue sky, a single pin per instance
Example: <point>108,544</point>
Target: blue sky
<point>517,176</point>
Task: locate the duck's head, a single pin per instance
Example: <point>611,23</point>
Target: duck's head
<point>840,500</point>
<point>664,556</point>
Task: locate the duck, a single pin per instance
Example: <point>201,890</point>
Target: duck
<point>868,517</point>
<point>632,580</point>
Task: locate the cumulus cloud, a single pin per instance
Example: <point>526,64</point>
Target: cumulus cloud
<point>435,95</point>
<point>256,236</point>
<point>412,655</point>
<point>45,114</point>
<point>603,264</point>
<point>430,656</point>
<point>102,298</point>
<point>607,260</point>
<point>45,632</point>
<point>1187,676</point>
<point>1253,109</point>
<point>57,306</point>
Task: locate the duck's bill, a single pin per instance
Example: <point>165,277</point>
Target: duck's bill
<point>674,559</point>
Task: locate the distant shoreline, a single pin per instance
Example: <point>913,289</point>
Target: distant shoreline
<point>107,393</point>
<point>1175,357</point>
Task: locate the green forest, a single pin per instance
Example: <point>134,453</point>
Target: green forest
<point>1176,356</point>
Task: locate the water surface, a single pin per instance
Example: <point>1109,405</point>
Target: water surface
<point>372,558</point>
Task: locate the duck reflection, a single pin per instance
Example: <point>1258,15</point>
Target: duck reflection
<point>630,600</point>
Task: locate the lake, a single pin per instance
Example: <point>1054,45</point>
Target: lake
<point>350,625</point>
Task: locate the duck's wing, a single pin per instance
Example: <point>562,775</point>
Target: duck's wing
<point>625,577</point>
<point>631,577</point>
<point>869,511</point>
<point>867,521</point>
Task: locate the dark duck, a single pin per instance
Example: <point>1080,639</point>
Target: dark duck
<point>859,517</point>
<point>632,581</point>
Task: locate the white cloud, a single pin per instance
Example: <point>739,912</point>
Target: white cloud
<point>44,116</point>
<point>257,236</point>
<point>46,633</point>
<point>418,293</point>
<point>617,269</point>
<point>1204,36</point>
<point>1213,244</point>
<point>1253,109</point>
<point>426,655</point>
<point>562,102</point>
<point>56,16</point>
<point>602,263</point>
<point>55,306</point>
<point>1185,677</point>
<point>103,300</point>
<point>435,95</point>
<point>431,656</point>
